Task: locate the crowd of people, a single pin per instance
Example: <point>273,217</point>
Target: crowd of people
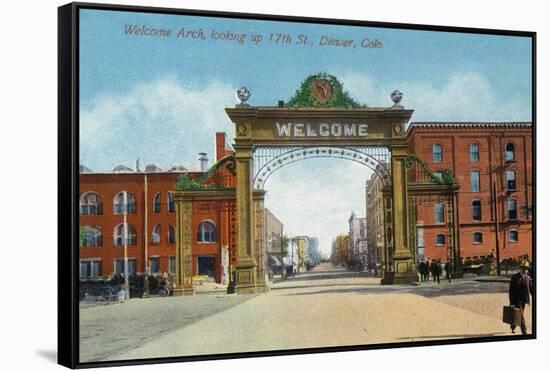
<point>433,268</point>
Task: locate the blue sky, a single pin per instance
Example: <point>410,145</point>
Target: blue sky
<point>162,99</point>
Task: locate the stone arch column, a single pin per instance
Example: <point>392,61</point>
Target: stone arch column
<point>245,269</point>
<point>404,268</point>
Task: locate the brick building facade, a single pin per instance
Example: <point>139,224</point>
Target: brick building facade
<point>492,164</point>
<point>151,222</point>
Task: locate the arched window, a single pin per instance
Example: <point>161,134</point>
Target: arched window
<point>513,236</point>
<point>439,213</point>
<point>437,155</point>
<point>156,203</point>
<point>206,232</point>
<point>171,234</point>
<point>118,237</point>
<point>90,236</point>
<point>510,180</point>
<point>474,152</point>
<point>124,202</point>
<point>155,238</point>
<point>476,210</point>
<point>171,203</point>
<point>474,181</point>
<point>512,209</point>
<point>509,154</point>
<point>91,204</point>
<point>478,237</point>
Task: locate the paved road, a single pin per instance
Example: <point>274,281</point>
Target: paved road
<point>106,330</point>
<point>327,307</point>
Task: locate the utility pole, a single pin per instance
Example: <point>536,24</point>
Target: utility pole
<point>125,238</point>
<point>146,239</point>
<point>495,214</point>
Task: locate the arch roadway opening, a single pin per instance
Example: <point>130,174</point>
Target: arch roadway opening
<point>269,159</point>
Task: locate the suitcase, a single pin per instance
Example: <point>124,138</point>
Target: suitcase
<point>511,315</point>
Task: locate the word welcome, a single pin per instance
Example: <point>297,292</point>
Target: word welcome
<point>299,129</point>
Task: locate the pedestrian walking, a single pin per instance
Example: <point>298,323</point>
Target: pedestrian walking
<point>521,285</point>
<point>421,270</point>
<point>436,270</point>
<point>428,269</point>
<point>448,270</point>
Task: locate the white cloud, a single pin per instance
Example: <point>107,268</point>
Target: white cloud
<point>465,96</point>
<point>315,197</point>
<point>164,122</point>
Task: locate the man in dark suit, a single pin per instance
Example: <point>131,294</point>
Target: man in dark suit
<point>448,270</point>
<point>521,286</point>
<point>421,269</point>
<point>436,270</point>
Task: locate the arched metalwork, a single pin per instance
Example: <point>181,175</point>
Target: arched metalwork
<point>267,160</point>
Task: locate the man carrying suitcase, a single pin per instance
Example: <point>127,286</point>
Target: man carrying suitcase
<point>521,286</point>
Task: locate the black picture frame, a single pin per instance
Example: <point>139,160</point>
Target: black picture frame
<point>68,179</point>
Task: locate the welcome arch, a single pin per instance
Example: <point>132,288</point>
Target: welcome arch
<point>321,117</point>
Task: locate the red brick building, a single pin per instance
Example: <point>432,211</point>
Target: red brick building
<point>492,164</point>
<point>151,221</point>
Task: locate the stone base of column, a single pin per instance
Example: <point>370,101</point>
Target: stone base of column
<point>404,270</point>
<point>181,291</point>
<point>262,287</point>
<point>246,278</point>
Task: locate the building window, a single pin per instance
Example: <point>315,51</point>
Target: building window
<point>206,232</point>
<point>476,210</point>
<point>513,236</point>
<point>478,237</point>
<point>90,268</point>
<point>437,153</point>
<point>474,152</point>
<point>119,266</point>
<point>509,153</point>
<point>156,203</point>
<point>439,213</point>
<point>171,203</point>
<point>156,234</point>
<point>172,264</point>
<point>90,237</point>
<point>510,180</point>
<point>512,209</point>
<point>91,204</point>
<point>131,238</point>
<point>171,234</point>
<point>474,181</point>
<point>124,202</point>
<point>440,239</point>
<point>155,264</point>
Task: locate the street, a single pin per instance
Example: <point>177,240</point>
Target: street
<point>326,307</point>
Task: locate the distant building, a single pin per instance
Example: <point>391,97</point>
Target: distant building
<point>357,238</point>
<point>274,241</point>
<point>340,250</point>
<point>375,221</point>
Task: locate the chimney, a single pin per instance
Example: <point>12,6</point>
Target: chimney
<point>137,166</point>
<point>203,161</point>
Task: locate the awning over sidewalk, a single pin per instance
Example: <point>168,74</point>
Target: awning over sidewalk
<point>275,259</point>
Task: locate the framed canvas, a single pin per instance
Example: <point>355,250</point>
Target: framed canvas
<point>241,185</point>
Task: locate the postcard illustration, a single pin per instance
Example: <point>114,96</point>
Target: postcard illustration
<point>257,185</point>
